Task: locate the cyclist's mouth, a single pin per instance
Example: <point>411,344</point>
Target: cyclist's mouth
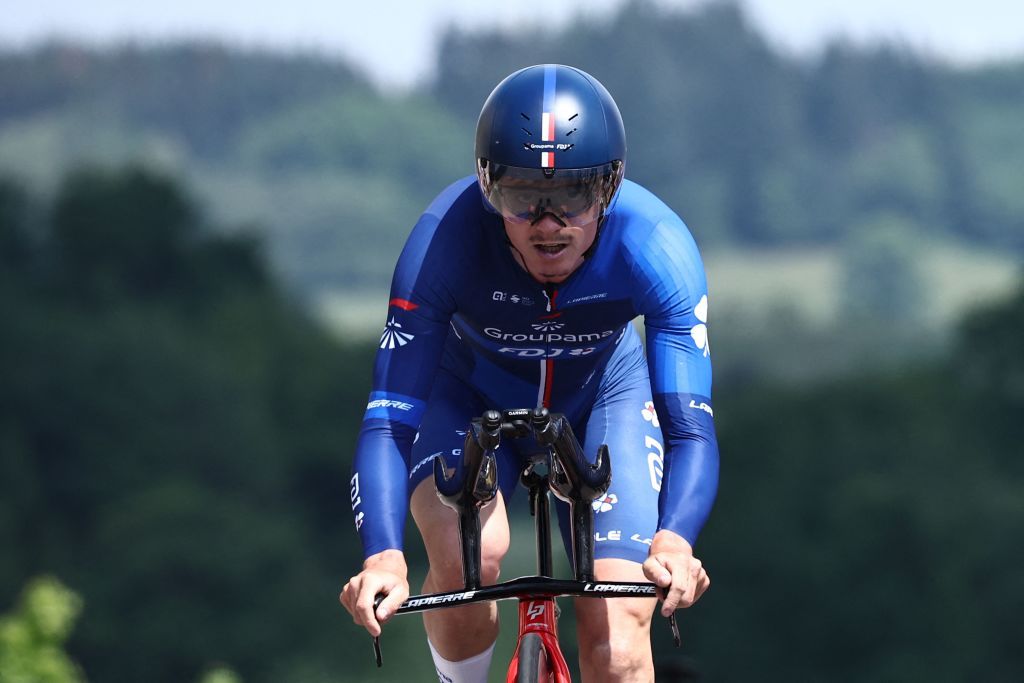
<point>551,248</point>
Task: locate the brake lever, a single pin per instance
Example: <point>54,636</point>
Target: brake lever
<point>671,622</point>
<point>376,639</point>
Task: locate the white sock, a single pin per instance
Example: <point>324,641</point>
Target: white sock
<point>472,670</point>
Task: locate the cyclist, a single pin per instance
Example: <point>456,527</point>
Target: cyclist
<point>517,287</point>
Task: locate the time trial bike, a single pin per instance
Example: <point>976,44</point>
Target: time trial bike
<point>558,467</point>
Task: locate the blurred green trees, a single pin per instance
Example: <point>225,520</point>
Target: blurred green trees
<point>32,636</point>
<point>174,435</point>
<point>173,432</point>
<point>882,279</point>
<point>865,527</point>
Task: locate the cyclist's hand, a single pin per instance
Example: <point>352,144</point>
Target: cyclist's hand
<point>672,567</point>
<point>384,573</point>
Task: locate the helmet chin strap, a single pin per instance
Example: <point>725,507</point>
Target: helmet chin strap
<point>522,259</point>
<point>593,245</point>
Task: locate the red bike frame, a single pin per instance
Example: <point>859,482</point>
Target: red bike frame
<point>540,616</point>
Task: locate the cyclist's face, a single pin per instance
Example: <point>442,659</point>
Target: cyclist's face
<point>551,249</point>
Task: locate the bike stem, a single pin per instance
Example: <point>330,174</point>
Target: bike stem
<point>540,508</point>
<point>576,481</point>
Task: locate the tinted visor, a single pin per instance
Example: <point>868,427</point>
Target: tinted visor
<point>574,195</point>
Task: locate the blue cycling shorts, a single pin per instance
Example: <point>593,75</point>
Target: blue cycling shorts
<point>621,415</point>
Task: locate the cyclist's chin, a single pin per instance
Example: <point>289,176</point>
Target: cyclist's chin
<point>555,270</point>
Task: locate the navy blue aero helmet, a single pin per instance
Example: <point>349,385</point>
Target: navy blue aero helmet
<point>550,139</point>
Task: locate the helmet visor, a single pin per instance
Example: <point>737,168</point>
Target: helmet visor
<point>574,195</point>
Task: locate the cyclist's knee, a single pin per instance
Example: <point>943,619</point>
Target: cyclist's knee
<point>614,620</point>
<point>446,564</point>
<point>614,635</point>
<point>440,531</point>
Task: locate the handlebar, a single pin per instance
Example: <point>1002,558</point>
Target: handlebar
<point>573,479</point>
<point>525,587</point>
<point>474,482</point>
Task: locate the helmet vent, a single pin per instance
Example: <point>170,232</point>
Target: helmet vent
<point>523,114</point>
<point>527,132</point>
<point>571,132</point>
<point>574,116</point>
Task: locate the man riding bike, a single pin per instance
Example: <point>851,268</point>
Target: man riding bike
<point>517,287</point>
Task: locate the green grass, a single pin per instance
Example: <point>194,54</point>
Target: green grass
<point>745,282</point>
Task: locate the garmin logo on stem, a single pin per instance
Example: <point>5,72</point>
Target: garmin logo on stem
<point>440,599</point>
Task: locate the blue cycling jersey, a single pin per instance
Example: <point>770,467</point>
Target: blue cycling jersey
<point>459,300</point>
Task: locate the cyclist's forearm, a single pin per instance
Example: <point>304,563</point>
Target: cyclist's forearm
<point>379,485</point>
<point>690,476</point>
<point>688,489</point>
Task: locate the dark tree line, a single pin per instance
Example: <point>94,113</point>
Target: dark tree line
<point>205,93</point>
<point>173,433</point>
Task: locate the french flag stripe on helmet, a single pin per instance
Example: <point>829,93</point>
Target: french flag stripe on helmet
<point>547,133</point>
<point>547,127</point>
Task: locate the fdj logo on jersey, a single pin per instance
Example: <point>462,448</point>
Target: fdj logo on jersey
<point>605,502</point>
<point>700,330</point>
<point>650,414</point>
<point>547,353</point>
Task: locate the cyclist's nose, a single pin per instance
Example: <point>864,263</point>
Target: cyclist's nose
<point>548,221</point>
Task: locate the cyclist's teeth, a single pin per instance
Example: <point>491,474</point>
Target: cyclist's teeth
<point>551,248</point>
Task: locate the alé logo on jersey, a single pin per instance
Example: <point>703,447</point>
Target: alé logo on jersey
<point>511,298</point>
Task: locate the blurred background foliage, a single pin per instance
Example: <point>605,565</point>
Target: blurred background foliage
<point>195,246</point>
<point>33,635</point>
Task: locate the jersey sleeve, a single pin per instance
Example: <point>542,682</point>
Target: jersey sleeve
<point>420,308</point>
<point>671,293</point>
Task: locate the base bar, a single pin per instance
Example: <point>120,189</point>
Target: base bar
<point>528,587</point>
